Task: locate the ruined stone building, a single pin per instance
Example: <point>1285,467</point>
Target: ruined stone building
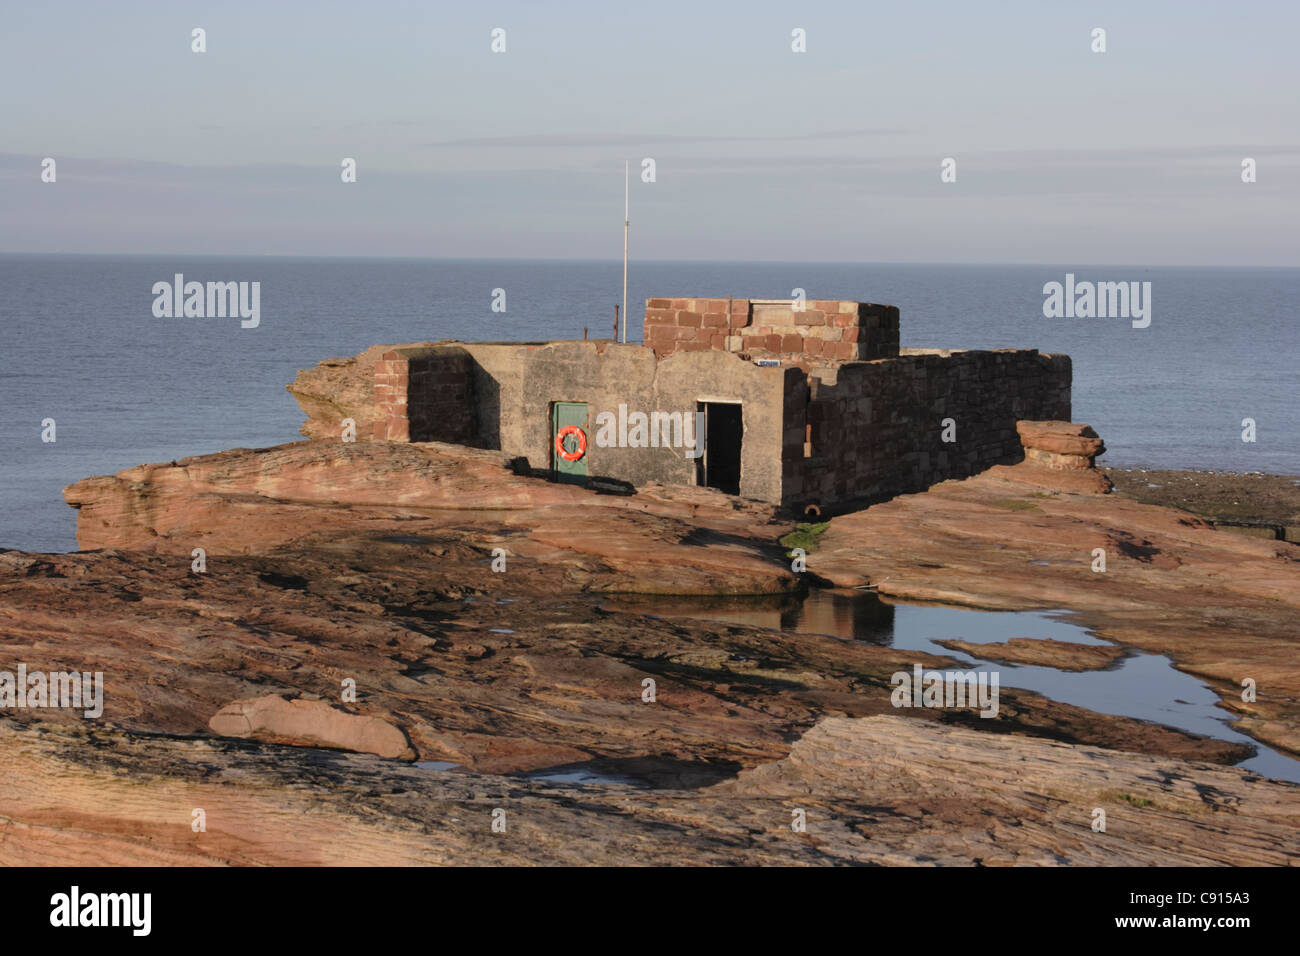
<point>815,408</point>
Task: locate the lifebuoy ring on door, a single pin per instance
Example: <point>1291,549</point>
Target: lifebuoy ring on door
<point>564,433</point>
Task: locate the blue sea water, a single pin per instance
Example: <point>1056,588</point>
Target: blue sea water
<point>79,343</point>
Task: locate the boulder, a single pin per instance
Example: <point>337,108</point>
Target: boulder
<point>1060,445</point>
<point>309,723</point>
<point>1058,455</point>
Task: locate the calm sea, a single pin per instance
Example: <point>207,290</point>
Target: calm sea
<point>80,345</point>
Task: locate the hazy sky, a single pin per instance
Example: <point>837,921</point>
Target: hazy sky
<point>1064,155</point>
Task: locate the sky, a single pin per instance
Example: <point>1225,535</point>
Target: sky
<point>1063,155</point>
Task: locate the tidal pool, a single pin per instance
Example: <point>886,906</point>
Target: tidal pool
<point>1140,685</point>
<point>583,775</point>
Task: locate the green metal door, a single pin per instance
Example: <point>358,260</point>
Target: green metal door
<point>570,441</point>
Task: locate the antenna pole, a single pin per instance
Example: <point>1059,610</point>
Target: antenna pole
<point>625,224</point>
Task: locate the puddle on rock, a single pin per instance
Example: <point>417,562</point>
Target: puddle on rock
<point>1141,685</point>
<point>583,776</point>
<point>576,775</point>
<point>639,773</point>
<point>636,773</point>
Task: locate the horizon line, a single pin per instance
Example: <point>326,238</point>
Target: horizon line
<point>619,261</point>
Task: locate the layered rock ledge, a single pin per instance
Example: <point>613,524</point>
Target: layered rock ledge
<point>1046,652</point>
<point>880,790</point>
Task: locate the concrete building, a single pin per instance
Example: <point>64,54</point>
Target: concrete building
<point>812,408</point>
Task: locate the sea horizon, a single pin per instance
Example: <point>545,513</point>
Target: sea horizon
<point>296,257</point>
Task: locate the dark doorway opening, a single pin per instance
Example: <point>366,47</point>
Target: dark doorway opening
<point>719,466</point>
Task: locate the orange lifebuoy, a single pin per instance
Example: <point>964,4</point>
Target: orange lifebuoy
<point>564,433</point>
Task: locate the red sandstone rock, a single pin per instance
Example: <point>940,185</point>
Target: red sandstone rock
<point>1043,652</point>
<point>372,560</point>
<point>1058,455</point>
<point>242,501</point>
<point>1074,480</point>
<point>1061,438</point>
<point>882,790</point>
<point>309,723</point>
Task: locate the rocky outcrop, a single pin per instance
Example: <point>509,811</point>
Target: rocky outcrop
<point>309,723</point>
<point>374,566</point>
<point>1058,456</point>
<point>497,671</point>
<point>664,540</point>
<point>314,512</point>
<point>1060,445</point>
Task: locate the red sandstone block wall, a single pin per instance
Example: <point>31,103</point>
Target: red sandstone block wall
<point>424,396</point>
<point>439,397</point>
<point>693,325</point>
<point>824,331</point>
<point>392,378</point>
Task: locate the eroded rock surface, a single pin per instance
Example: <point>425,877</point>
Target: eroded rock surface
<point>882,790</point>
<point>664,540</point>
<point>500,672</point>
<point>373,563</point>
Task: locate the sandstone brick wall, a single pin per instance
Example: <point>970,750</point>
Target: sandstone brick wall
<point>877,426</point>
<point>794,435</point>
<point>825,332</point>
<point>425,396</point>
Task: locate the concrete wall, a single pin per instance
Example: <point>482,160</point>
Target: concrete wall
<point>515,388</point>
<point>824,331</point>
<point>691,377</point>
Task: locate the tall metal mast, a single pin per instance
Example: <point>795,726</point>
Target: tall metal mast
<point>625,223</point>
